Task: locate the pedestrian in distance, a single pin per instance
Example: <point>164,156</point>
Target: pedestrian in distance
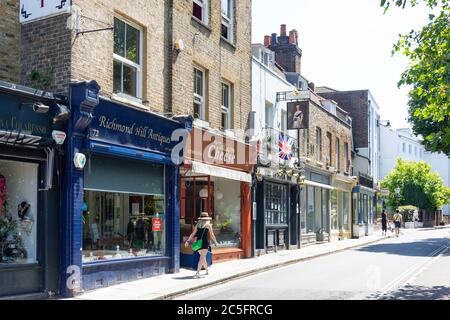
<point>203,230</point>
<point>398,218</point>
<point>384,223</point>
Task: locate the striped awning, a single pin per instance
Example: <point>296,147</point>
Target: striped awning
<point>20,139</point>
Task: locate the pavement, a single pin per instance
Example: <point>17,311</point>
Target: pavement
<point>170,286</point>
<point>414,266</point>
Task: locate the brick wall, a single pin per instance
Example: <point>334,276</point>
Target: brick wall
<point>45,54</point>
<point>221,60</point>
<point>9,41</point>
<point>320,118</point>
<point>92,53</point>
<point>356,104</point>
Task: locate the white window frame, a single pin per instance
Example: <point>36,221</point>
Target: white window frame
<point>204,4</point>
<point>130,63</point>
<point>228,21</point>
<point>200,99</point>
<point>227,110</point>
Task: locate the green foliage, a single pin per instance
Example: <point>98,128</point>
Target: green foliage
<point>429,74</point>
<point>418,186</point>
<point>40,80</point>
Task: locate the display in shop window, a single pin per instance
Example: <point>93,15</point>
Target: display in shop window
<point>11,245</point>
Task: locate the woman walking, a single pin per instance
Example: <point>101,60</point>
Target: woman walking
<point>203,230</point>
<point>384,222</point>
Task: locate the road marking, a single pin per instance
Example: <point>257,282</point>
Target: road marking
<point>395,283</point>
<point>425,267</point>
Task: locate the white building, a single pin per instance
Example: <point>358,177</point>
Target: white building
<point>267,81</point>
<point>402,143</point>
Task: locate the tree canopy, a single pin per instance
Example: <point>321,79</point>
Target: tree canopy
<point>428,74</point>
<point>418,186</point>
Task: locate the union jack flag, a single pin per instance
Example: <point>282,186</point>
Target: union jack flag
<point>285,146</point>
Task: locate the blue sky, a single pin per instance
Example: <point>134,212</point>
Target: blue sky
<point>346,44</point>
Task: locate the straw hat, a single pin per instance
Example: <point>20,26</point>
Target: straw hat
<point>205,216</point>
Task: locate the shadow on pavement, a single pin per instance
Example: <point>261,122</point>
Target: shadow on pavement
<point>416,293</point>
<point>420,248</point>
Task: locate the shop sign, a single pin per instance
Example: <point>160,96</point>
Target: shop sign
<point>20,118</point>
<point>31,10</point>
<point>213,149</point>
<point>156,224</point>
<point>114,123</point>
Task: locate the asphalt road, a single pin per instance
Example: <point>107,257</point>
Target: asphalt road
<point>414,266</point>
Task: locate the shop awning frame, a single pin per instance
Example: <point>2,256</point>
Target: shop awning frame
<point>19,139</point>
<point>319,185</point>
<point>216,171</point>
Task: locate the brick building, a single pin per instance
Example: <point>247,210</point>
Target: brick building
<point>152,58</point>
<point>9,41</point>
<point>325,144</point>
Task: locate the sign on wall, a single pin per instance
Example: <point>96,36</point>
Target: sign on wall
<point>31,10</point>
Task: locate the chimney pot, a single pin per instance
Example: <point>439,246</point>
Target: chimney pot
<point>292,38</point>
<point>267,41</point>
<point>274,39</point>
<point>283,30</point>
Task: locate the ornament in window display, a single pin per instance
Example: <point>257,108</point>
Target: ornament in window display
<point>25,222</point>
<point>3,203</point>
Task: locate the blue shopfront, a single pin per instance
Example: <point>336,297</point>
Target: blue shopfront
<point>122,199</point>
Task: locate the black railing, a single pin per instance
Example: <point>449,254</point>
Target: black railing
<point>366,180</point>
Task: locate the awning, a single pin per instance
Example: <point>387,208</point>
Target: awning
<point>206,169</point>
<point>19,139</point>
<point>319,185</point>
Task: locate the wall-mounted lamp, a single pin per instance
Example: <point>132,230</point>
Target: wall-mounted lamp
<point>179,45</point>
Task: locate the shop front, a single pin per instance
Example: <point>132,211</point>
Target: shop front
<point>32,125</point>
<point>341,213</point>
<point>122,200</point>
<point>315,208</point>
<point>364,211</point>
<point>216,179</point>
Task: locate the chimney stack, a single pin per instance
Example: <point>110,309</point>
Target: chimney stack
<point>267,41</point>
<point>312,86</point>
<point>283,31</point>
<point>274,39</point>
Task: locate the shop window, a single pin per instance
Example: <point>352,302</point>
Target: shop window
<point>310,215</point>
<point>303,211</point>
<point>124,209</point>
<point>276,204</point>
<point>122,226</point>
<point>334,210</point>
<point>227,20</point>
<point>200,9</point>
<point>18,212</point>
<point>220,198</point>
<point>127,69</point>
<point>346,211</point>
<point>199,94</point>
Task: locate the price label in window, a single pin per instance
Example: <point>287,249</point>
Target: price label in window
<point>156,224</point>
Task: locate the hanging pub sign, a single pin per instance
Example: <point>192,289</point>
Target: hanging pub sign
<point>31,10</point>
<point>298,115</point>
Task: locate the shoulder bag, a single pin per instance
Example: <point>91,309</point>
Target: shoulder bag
<point>197,245</point>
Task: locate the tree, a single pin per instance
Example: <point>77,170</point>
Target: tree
<point>429,74</point>
<point>418,186</point>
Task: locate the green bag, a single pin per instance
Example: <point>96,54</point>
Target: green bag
<point>197,245</point>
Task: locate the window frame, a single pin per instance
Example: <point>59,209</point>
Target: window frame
<point>318,144</point>
<point>201,99</point>
<point>227,110</point>
<point>228,21</point>
<point>139,67</point>
<point>204,4</point>
<point>346,164</point>
<point>338,154</point>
